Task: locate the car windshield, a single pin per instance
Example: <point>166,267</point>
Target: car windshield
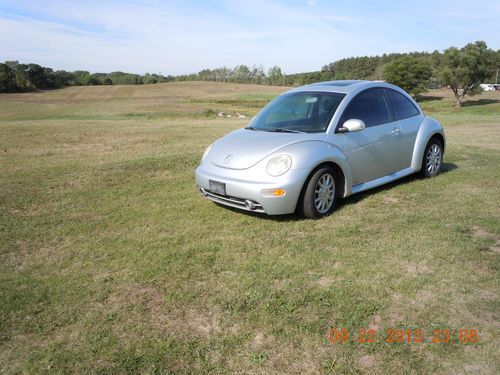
<point>300,112</point>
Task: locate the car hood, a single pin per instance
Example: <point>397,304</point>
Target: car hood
<point>243,148</point>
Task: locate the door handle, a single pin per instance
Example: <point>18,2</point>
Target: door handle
<point>396,131</point>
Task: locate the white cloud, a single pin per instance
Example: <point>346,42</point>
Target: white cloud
<point>181,37</point>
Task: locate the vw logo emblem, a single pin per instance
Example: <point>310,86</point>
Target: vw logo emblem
<point>228,159</point>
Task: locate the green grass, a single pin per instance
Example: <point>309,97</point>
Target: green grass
<point>112,263</point>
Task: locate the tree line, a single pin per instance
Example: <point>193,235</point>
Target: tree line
<point>461,69</point>
<point>15,77</point>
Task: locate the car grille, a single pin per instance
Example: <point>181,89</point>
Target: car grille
<point>243,204</point>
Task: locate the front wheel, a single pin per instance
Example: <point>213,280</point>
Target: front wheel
<point>433,158</point>
<point>320,194</point>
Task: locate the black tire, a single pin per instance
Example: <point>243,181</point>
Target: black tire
<point>432,158</point>
<point>319,198</point>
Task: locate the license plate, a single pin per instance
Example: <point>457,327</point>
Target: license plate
<point>217,187</point>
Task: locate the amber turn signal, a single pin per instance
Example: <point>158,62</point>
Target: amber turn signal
<point>273,192</point>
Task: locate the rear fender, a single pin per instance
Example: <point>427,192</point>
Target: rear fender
<point>428,128</point>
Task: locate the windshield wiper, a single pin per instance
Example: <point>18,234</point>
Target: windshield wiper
<point>251,128</point>
<point>284,130</point>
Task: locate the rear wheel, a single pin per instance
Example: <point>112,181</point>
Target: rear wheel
<point>432,159</point>
<point>320,194</point>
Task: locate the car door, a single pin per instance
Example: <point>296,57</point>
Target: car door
<point>376,150</point>
<point>410,118</point>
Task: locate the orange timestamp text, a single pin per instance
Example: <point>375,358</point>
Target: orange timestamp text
<point>400,335</point>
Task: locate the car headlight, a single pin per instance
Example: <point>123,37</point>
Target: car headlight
<point>279,165</point>
<point>206,152</point>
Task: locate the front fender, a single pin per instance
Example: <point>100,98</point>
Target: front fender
<point>310,154</point>
<point>428,128</point>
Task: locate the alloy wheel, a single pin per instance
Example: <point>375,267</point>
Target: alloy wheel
<point>324,193</point>
<point>433,159</point>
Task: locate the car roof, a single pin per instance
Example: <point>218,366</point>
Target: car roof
<point>345,87</point>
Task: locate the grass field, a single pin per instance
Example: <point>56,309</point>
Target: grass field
<point>111,262</point>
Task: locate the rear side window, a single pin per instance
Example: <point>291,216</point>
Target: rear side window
<point>403,107</point>
<point>370,106</point>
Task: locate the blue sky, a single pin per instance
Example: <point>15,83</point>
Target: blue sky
<point>176,37</point>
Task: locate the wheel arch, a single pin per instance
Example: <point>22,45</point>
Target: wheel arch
<point>441,139</point>
<point>340,181</point>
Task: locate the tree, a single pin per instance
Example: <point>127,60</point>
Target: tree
<point>7,78</point>
<point>222,74</point>
<point>275,75</point>
<point>95,79</point>
<point>412,74</point>
<point>151,78</point>
<point>494,66</point>
<point>20,75</point>
<point>257,74</point>
<point>64,78</point>
<point>328,72</point>
<point>206,75</point>
<point>36,77</point>
<point>241,74</point>
<point>464,69</point>
<point>82,78</point>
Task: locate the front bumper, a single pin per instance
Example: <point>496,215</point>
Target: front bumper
<point>244,189</point>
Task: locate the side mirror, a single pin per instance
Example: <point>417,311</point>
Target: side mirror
<point>353,125</point>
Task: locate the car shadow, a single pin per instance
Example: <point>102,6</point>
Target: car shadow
<point>278,218</point>
<point>445,168</point>
<point>353,199</point>
<point>448,167</point>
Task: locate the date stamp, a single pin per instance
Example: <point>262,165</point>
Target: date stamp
<point>398,336</point>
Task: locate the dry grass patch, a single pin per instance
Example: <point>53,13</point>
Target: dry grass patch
<point>390,200</point>
<point>326,281</point>
<point>367,362</point>
<point>416,269</point>
<point>477,231</point>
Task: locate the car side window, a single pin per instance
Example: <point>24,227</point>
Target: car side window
<point>371,106</point>
<point>402,106</point>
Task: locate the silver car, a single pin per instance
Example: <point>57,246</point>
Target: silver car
<point>316,143</point>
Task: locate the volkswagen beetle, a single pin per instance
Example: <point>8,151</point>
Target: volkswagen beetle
<point>316,143</point>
